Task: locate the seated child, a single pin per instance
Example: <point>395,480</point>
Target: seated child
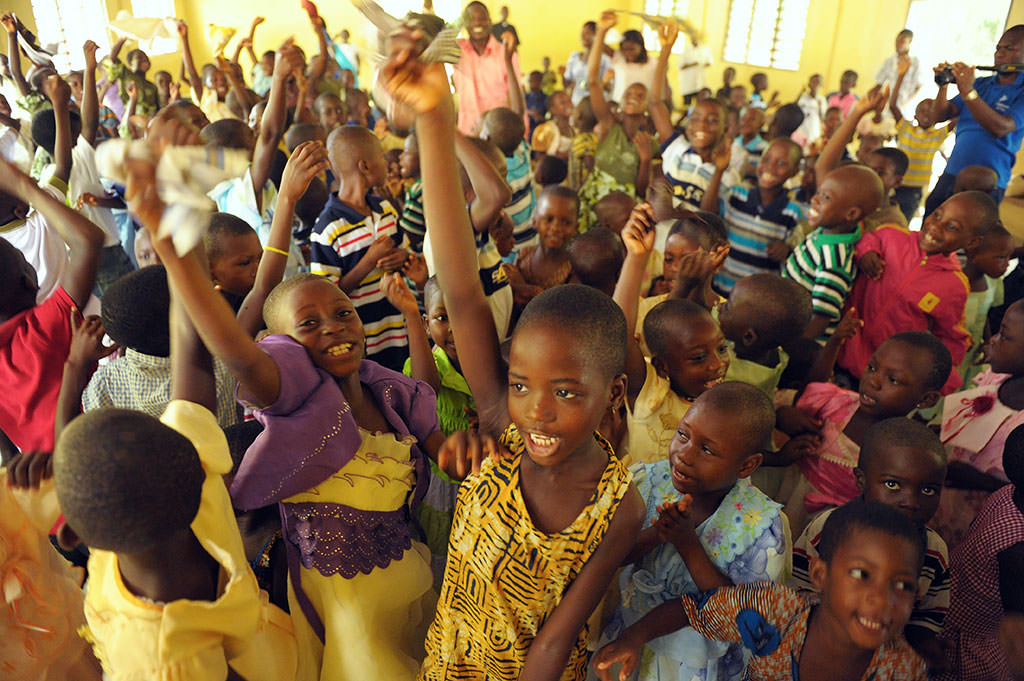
<point>541,266</point>
<point>693,539</point>
<point>762,218</point>
<point>986,264</point>
<point>596,258</point>
<point>687,235</point>
<point>505,128</point>
<point>134,314</point>
<point>870,556</point>
<point>904,374</point>
<point>913,280</point>
<point>824,264</point>
<point>902,464</point>
<point>975,424</point>
<point>170,592</point>
<point>985,572</point>
<point>357,238</point>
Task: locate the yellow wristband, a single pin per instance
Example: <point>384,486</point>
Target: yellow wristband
<point>971,96</point>
<point>276,250</point>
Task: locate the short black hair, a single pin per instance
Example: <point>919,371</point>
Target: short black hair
<point>279,292</point>
<point>596,257</point>
<point>228,133</point>
<point>705,229</point>
<point>592,25</point>
<point>659,324</point>
<point>752,408</point>
<point>44,128</point>
<point>594,319</point>
<point>898,431</point>
<point>431,290</point>
<point>302,132</point>
<point>784,307</point>
<point>867,515</point>
<point>905,33</point>
<point>1013,458</point>
<point>223,225</point>
<point>135,310</point>
<point>787,119</point>
<point>126,482</point>
<point>635,36</point>
<point>562,192</point>
<point>941,360</point>
<point>240,437</point>
<point>896,157</point>
<point>985,209</point>
<point>551,171</point>
<point>504,127</point>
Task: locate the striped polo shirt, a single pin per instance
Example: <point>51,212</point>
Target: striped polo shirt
<point>341,237</point>
<point>688,174</point>
<point>823,264</point>
<point>752,227</point>
<point>413,222</point>
<point>920,146</point>
<point>520,206</point>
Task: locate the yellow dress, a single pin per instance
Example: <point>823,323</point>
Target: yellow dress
<point>373,623</point>
<point>140,640</point>
<point>651,423</point>
<point>504,577</point>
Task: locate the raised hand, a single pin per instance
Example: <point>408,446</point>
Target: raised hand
<point>419,85</point>
<point>642,142</point>
<point>89,50</point>
<point>872,264</point>
<point>415,268</point>
<point>722,154</point>
<point>56,90</point>
<point>667,34</point>
<point>508,41</point>
<point>256,22</point>
<point>462,453</point>
<point>638,234</point>
<point>9,22</point>
<point>307,161</point>
<point>848,326</point>
<point>394,288</point>
<point>608,20</point>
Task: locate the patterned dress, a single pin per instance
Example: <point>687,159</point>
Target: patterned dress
<point>505,577</point>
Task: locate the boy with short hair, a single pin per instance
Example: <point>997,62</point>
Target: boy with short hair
<point>506,129</point>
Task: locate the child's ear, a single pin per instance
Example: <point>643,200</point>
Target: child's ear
<point>858,475</point>
<point>659,366</point>
<point>853,214</point>
<point>750,464</point>
<point>67,538</point>
<point>973,243</point>
<point>818,572</point>
<point>618,391</point>
<point>929,399</point>
<point>749,337</point>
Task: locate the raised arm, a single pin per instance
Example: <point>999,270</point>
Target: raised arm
<point>832,153</point>
<point>516,98</point>
<point>638,236</point>
<point>194,81</point>
<point>893,108</point>
<point>86,349</point>
<point>288,61</point>
<point>602,111</point>
<point>192,377</point>
<point>421,359</point>
<point>14,53</point>
<point>491,191</point>
<point>246,97</point>
<point>59,93</point>
<point>318,65</point>
<point>90,98</point>
<point>660,116</point>
<point>249,42</point>
<point>424,87</point>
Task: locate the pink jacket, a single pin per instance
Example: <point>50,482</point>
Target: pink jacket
<point>915,293</point>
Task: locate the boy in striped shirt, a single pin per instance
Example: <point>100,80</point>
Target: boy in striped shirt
<point>919,142</point>
<point>823,263</point>
<point>357,239</point>
<point>506,129</point>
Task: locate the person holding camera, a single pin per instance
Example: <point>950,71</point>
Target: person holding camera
<point>991,111</point>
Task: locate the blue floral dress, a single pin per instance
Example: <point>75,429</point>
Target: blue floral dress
<point>745,538</point>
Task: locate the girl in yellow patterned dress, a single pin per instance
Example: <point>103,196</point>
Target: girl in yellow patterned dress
<point>538,534</point>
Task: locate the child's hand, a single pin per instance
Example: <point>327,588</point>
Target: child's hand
<point>131,90</point>
<point>174,92</point>
<point>794,421</point>
<point>182,28</point>
<point>394,288</point>
<point>87,199</point>
<point>625,649</point>
<point>28,469</point>
<point>394,260</point>
<point>224,66</point>
<point>675,524</point>
<point>875,98</point>
<point>288,60</point>
<point>419,85</point>
<point>642,142</point>
<point>10,25</point>
<point>608,20</point>
<point>638,234</point>
<point>464,451</point>
<point>415,268</point>
<point>307,161</point>
<point>797,448</point>
<point>89,50</point>
<point>778,250</point>
<point>872,264</point>
<point>56,90</point>
<point>256,22</point>
<point>508,41</point>
<point>721,155</point>
<point>245,42</point>
<point>848,326</point>
<point>87,346</point>
<point>667,34</point>
<point>701,264</point>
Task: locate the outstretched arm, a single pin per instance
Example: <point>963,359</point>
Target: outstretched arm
<point>832,153</point>
<point>667,34</point>
<point>421,359</point>
<point>59,94</point>
<point>90,98</point>
<point>492,192</point>
<point>602,111</point>
<point>192,377</point>
<point>248,43</point>
<point>194,81</point>
<point>288,62</point>
<point>14,53</point>
<point>638,236</point>
<point>516,98</point>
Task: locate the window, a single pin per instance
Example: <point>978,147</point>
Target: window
<point>65,25</point>
<point>156,9</point>
<point>766,33</point>
<point>664,8</point>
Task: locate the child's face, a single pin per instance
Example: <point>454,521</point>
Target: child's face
<point>676,246</point>
<point>359,107</point>
<point>560,105</point>
<point>217,82</point>
<point>738,315</point>
<point>634,100</point>
<point>738,97</point>
<point>697,359</point>
<point>705,126</point>
<point>267,65</point>
<point>331,113</point>
<point>728,75</point>
<point>778,164</point>
<point>163,81</point>
<point>993,256</point>
<point>145,254</point>
<point>894,381</point>
<point>868,145</point>
<point>809,180</point>
<point>410,158</point>
<point>908,478</point>
<point>1006,348</point>
<point>709,451</point>
<point>950,227</point>
<point>438,327</point>
<point>923,113</point>
<point>831,204</point>
<point>556,221</point>
<point>868,589</point>
<point>833,117</point>
<point>235,269</point>
<point>631,51</point>
<point>556,396</point>
<point>75,83</point>
<point>322,318</point>
<point>814,83</point>
<point>139,62</point>
<point>886,171</point>
<point>760,81</point>
<point>535,81</point>
<point>751,121</point>
<point>847,82</point>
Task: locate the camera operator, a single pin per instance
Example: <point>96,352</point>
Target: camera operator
<point>991,112</point>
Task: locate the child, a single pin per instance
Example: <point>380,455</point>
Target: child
<point>613,209</point>
<point>411,222</point>
<point>729,533</point>
<point>170,592</point>
<point>538,268</point>
<point>536,100</point>
<point>357,239</point>
<point>912,280</point>
<point>727,76</point>
<point>985,572</point>
<point>830,123</point>
<point>147,101</point>
<point>902,464</point>
<point>904,374</point>
<point>760,219</point>
<point>234,253</point>
<point>212,89</point>
<point>505,128</point>
<point>35,335</point>
<point>759,82</point>
<point>748,146</point>
<point>870,557</point>
<point>986,264</point>
<point>813,104</point>
<point>584,144</point>
<point>330,112</point>
<point>545,568</point>
<point>555,137</point>
<point>845,97</point>
<point>596,259</point>
<point>975,425</point>
<point>823,263</point>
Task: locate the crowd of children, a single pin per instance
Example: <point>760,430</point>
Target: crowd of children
<point>590,393</point>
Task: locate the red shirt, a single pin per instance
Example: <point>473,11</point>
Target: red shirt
<point>33,347</point>
<point>916,292</point>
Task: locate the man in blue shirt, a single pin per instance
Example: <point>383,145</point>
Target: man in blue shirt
<point>991,112</point>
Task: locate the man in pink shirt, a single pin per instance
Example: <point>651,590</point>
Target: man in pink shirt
<point>481,78</point>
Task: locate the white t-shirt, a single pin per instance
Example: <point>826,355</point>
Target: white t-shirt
<point>43,246</point>
<point>84,178</point>
<point>911,82</point>
<point>628,73</point>
<point>693,79</point>
<point>814,114</point>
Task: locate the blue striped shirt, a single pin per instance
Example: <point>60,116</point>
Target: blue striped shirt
<point>688,174</point>
<point>520,207</point>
